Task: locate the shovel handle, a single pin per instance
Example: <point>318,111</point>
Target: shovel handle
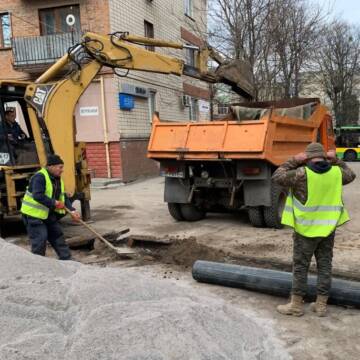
<point>100,237</point>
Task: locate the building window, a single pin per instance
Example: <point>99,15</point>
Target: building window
<point>149,32</point>
<point>188,7</point>
<point>152,104</point>
<point>53,20</point>
<point>5,35</point>
<point>223,109</point>
<point>193,109</point>
<point>190,57</point>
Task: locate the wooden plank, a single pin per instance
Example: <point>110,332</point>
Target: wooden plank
<point>80,240</point>
<point>139,239</point>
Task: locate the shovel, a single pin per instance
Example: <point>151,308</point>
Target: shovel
<point>119,251</point>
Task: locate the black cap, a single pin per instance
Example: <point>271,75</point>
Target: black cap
<point>54,159</point>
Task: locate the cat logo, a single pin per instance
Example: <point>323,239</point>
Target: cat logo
<point>39,96</point>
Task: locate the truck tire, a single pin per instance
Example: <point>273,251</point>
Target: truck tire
<point>256,216</point>
<point>175,212</point>
<point>190,212</point>
<point>350,155</point>
<point>272,213</point>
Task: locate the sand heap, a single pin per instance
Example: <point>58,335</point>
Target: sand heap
<point>65,310</point>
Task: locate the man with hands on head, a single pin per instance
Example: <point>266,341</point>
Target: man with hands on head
<point>44,205</point>
<point>314,208</point>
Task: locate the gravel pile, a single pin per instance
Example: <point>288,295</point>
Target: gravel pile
<point>65,310</point>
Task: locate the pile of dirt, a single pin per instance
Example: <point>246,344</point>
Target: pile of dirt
<point>187,251</point>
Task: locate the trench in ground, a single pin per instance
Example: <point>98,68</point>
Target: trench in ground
<point>178,252</point>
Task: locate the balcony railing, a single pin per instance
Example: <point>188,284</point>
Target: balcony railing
<point>33,51</point>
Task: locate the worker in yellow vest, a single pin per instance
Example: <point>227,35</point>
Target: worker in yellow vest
<point>42,207</point>
<point>314,209</point>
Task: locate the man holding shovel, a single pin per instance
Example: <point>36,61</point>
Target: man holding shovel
<point>43,206</point>
<point>314,209</point>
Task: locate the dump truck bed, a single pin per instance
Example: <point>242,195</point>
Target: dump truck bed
<point>274,132</point>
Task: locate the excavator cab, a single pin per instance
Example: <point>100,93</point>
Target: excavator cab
<point>18,155</point>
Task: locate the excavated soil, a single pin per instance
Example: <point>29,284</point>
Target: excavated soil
<point>186,251</point>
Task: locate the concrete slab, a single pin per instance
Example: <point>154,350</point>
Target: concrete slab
<point>102,183</point>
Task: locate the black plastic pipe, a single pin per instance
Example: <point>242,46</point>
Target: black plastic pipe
<point>271,282</point>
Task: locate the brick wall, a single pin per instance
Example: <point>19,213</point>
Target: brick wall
<point>25,22</point>
<point>128,159</point>
<point>196,91</point>
<point>96,156</point>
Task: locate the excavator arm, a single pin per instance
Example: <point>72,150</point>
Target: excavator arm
<point>52,102</point>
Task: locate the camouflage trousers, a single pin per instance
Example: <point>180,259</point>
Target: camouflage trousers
<point>304,249</point>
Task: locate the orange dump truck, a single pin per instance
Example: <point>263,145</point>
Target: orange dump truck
<point>227,164</point>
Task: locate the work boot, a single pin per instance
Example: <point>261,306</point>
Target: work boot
<point>319,307</point>
<point>295,307</point>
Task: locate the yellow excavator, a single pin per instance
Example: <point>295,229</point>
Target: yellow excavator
<point>47,106</point>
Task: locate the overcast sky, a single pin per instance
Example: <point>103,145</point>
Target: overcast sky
<point>348,9</point>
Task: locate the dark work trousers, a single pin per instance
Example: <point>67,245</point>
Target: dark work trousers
<point>304,249</point>
<point>41,231</point>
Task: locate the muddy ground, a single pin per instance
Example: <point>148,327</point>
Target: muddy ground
<point>229,238</point>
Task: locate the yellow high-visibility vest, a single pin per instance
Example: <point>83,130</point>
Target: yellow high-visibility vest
<point>324,209</point>
<point>33,208</point>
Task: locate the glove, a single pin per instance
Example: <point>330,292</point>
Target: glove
<point>75,216</point>
<point>301,157</point>
<point>59,205</point>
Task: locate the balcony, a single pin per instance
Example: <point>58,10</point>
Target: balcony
<point>34,53</point>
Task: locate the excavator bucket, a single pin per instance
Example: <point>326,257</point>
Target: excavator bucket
<point>238,75</point>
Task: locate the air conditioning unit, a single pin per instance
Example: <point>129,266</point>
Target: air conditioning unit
<point>186,100</point>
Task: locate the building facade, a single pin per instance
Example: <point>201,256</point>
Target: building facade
<point>114,115</point>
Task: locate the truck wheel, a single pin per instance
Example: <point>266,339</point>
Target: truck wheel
<point>190,212</point>
<point>273,213</point>
<point>174,210</point>
<point>256,216</point>
<point>350,155</point>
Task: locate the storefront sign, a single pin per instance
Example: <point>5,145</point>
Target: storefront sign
<point>89,111</point>
<point>134,90</point>
<point>126,101</point>
<point>204,106</point>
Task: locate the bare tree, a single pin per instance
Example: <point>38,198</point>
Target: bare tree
<point>238,28</point>
<point>294,27</point>
<point>275,36</point>
<point>338,69</point>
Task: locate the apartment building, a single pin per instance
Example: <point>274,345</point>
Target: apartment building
<point>115,112</point>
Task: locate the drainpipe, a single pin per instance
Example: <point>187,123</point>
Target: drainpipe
<point>105,126</point>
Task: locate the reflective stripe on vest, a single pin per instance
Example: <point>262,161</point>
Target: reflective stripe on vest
<point>323,210</point>
<point>33,208</point>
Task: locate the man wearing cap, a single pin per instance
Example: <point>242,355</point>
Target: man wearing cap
<point>314,209</point>
<point>43,206</point>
